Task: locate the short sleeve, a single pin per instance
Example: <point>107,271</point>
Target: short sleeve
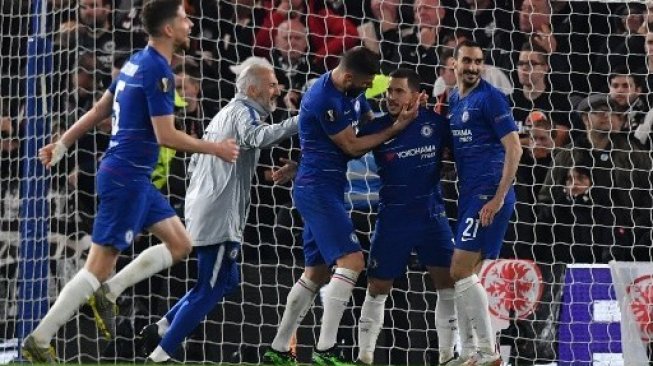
<point>112,87</point>
<point>374,126</point>
<point>333,119</point>
<point>499,115</point>
<point>365,105</point>
<point>159,88</point>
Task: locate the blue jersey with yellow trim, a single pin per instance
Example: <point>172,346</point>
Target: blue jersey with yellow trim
<point>326,111</point>
<point>143,89</point>
<point>478,122</point>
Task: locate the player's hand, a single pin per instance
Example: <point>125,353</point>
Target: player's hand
<point>545,39</point>
<point>489,210</point>
<point>227,150</point>
<point>51,154</point>
<point>286,173</point>
<point>408,113</point>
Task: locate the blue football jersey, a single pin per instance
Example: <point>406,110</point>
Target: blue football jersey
<point>143,89</point>
<point>478,122</point>
<point>409,165</point>
<point>326,111</point>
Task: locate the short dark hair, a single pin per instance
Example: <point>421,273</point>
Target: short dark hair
<point>622,70</point>
<point>361,61</point>
<point>192,71</point>
<point>467,43</point>
<point>411,77</point>
<point>158,12</point>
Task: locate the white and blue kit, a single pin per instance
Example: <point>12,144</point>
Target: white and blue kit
<point>129,202</point>
<point>478,122</point>
<point>411,214</point>
<point>321,179</point>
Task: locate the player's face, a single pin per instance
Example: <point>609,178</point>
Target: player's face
<point>268,91</point>
<point>356,84</point>
<point>181,27</point>
<point>398,95</point>
<point>469,65</point>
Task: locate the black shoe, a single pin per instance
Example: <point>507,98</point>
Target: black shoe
<point>149,339</point>
<point>276,358</point>
<point>329,357</point>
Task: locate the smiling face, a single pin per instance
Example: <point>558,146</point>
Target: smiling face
<point>469,65</point>
<point>266,90</point>
<point>179,29</point>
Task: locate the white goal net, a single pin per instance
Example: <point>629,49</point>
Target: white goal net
<point>575,72</point>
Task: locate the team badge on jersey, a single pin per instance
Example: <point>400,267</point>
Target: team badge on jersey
<point>331,115</point>
<point>164,85</point>
<point>426,131</point>
<point>465,116</point>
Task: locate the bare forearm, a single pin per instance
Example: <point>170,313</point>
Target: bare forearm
<point>510,165</point>
<point>363,144</point>
<point>180,141</point>
<point>89,120</point>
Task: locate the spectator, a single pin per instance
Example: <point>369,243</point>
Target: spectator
<point>383,32</point>
<point>626,91</point>
<point>620,176</point>
<point>535,27</point>
<point>538,144</point>
<point>419,49</point>
<point>535,93</point>
<point>128,29</point>
<point>292,65</point>
<point>96,36</point>
<point>330,33</point>
<point>622,47</point>
<point>578,238</point>
<point>480,18</point>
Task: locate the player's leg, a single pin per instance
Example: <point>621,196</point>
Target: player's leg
<point>435,250</point>
<point>372,317</point>
<point>446,320</point>
<point>160,219</point>
<point>217,276</point>
<point>298,302</point>
<point>387,260</point>
<point>98,267</point>
<point>475,243</point>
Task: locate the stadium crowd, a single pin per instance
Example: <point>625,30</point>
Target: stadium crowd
<point>577,75</point>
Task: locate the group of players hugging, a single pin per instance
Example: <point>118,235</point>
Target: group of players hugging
<point>335,123</point>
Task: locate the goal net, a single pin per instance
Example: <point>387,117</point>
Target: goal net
<point>576,74</point>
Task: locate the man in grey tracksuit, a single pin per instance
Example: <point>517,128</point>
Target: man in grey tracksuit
<point>217,203</point>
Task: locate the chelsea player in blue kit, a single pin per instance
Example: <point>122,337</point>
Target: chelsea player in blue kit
<point>329,112</point>
<point>411,216</point>
<point>140,102</point>
<point>487,152</point>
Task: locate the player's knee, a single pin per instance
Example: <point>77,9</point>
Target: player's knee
<point>378,287</point>
<point>180,249</point>
<point>352,261</point>
<point>460,272</point>
<point>318,275</point>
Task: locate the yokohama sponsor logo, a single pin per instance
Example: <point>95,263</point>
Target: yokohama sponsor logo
<point>512,285</point>
<point>416,151</point>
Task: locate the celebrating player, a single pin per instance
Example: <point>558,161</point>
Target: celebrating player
<point>216,186</point>
<point>141,99</point>
<point>329,111</point>
<point>411,216</point>
<point>487,152</point>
